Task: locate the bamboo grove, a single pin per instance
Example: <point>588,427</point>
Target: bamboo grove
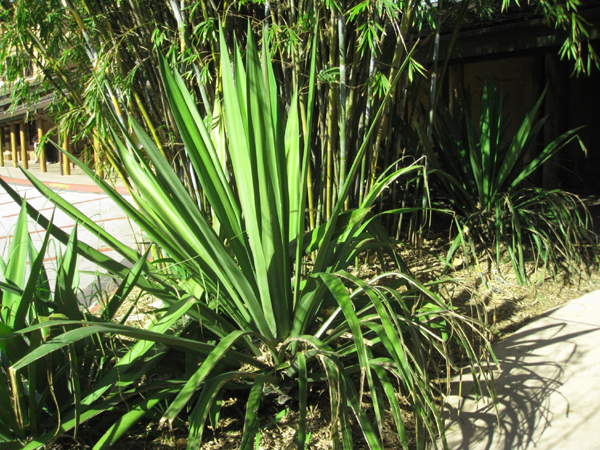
<point>83,48</point>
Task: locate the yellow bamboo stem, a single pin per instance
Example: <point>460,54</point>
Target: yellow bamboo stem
<point>97,162</point>
<point>66,167</point>
<point>23,141</point>
<point>42,156</point>
<point>1,146</point>
<point>149,123</point>
<point>13,144</point>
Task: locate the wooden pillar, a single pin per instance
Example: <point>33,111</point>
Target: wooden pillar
<point>13,144</point>
<point>42,148</point>
<point>1,146</point>
<point>66,167</point>
<point>23,139</point>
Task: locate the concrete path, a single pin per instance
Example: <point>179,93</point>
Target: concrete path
<point>548,387</point>
<point>82,193</point>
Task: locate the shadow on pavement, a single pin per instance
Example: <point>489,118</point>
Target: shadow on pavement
<point>536,363</point>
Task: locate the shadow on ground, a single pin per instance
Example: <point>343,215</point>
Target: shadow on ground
<point>547,390</point>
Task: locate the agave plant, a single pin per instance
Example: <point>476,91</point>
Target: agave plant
<point>484,176</point>
<point>254,301</point>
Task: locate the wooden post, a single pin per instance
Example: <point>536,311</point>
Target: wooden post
<point>23,139</point>
<point>1,146</point>
<point>13,144</point>
<point>40,135</point>
<point>66,167</point>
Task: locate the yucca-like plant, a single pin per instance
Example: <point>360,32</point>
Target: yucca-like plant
<point>23,302</point>
<point>256,302</point>
<point>484,176</point>
<point>34,397</point>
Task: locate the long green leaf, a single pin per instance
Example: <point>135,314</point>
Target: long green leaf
<point>146,336</point>
<point>209,393</point>
<point>215,355</point>
<point>124,423</point>
<point>251,423</point>
<point>205,161</point>
<point>16,269</point>
<point>302,400</point>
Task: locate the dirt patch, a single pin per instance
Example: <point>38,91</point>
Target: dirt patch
<point>508,304</point>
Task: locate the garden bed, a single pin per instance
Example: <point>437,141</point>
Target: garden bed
<point>508,307</point>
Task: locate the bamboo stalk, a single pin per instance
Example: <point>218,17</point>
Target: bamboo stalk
<point>13,144</point>
<point>1,146</point>
<point>40,136</point>
<point>434,74</point>
<point>309,178</point>
<point>382,133</point>
<point>149,124</point>
<point>343,111</point>
<point>321,162</point>
<point>331,119</point>
<point>23,142</point>
<point>329,156</point>
<point>366,124</point>
<point>97,161</point>
<point>66,167</point>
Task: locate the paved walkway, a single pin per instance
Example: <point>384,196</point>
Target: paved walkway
<point>85,195</point>
<point>77,181</point>
<point>548,387</point>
